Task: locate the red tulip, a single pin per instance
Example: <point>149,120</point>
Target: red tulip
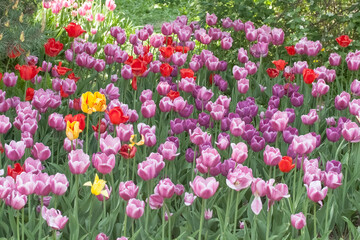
<point>279,64</point>
<point>13,172</point>
<point>272,72</point>
<point>62,93</point>
<point>27,72</point>
<point>290,50</point>
<point>102,127</point>
<point>78,118</point>
<point>62,70</point>
<point>72,76</point>
<point>1,75</point>
<point>117,116</point>
<point>285,164</point>
<point>168,40</point>
<point>53,48</point>
<point>15,51</point>
<point>127,151</point>
<point>182,49</point>
<point>309,75</point>
<point>343,40</point>
<point>138,67</point>
<point>134,83</point>
<point>187,73</point>
<point>129,60</point>
<point>173,94</point>
<point>74,30</point>
<point>167,51</point>
<point>165,69</point>
<point>29,94</point>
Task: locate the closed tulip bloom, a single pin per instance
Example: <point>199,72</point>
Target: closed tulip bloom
<point>17,200</point>
<point>334,59</point>
<point>209,158</point>
<point>298,220</point>
<point>29,125</point>
<point>243,85</point>
<point>148,109</point>
<point>277,192</point>
<point>155,201</point>
<point>53,218</point>
<point>204,188</point>
<point>42,184</point>
<point>25,183</point>
<point>135,208</point>
<point>353,63</point>
<point>289,133</point>
<point>310,118</point>
<point>126,72</point>
<point>101,236</point>
<point>59,184</point>
<point>5,124</point>
<point>251,67</point>
<point>128,190</point>
<point>103,163</point>
<point>9,79</point>
<point>223,141</point>
<point>242,55</point>
<point>150,169</point>
<point>315,192</point>
<point>350,132</point>
<point>304,144</point>
<point>189,199</point>
<point>239,72</point>
<point>40,151</point>
<point>165,188</point>
<point>7,185</point>
<point>239,152</point>
<point>320,88</point>
<point>179,104</point>
<point>355,87</point>
<point>166,28</point>
<point>145,95</point>
<point>332,179</point>
<point>198,137</point>
<point>32,166</point>
<point>211,19</point>
<point>110,145</point>
<point>277,36</point>
<point>168,150</point>
<point>297,99</point>
<point>257,143</point>
<point>237,127</point>
<point>354,107</point>
<point>124,132</point>
<point>272,156</point>
<point>56,121</point>
<point>258,188</point>
<point>342,101</point>
<point>78,161</point>
<point>279,121</point>
<point>15,150</point>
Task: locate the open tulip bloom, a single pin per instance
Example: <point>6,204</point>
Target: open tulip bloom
<point>199,125</point>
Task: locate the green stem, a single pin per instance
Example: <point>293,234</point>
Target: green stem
<point>22,224</point>
<point>294,184</point>
<point>18,225</point>
<point>327,211</point>
<point>40,220</point>
<point>163,224</point>
<point>194,163</point>
<point>54,234</point>
<point>104,207</point>
<point>268,222</point>
<point>315,233</point>
<point>26,86</point>
<point>229,201</point>
<point>87,134</point>
<point>147,205</point>
<point>99,134</point>
<point>124,228</point>
<point>203,204</point>
<point>236,210</point>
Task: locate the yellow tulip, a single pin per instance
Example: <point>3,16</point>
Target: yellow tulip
<point>72,130</point>
<point>139,143</point>
<point>93,102</point>
<point>97,187</point>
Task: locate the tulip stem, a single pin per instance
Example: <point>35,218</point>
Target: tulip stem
<point>124,228</point>
<point>54,234</point>
<point>268,222</point>
<point>22,224</point>
<point>104,207</point>
<point>163,223</point>
<point>26,86</point>
<point>236,209</point>
<point>147,205</point>
<point>315,235</point>
<point>40,220</point>
<point>99,133</point>
<point>87,134</point>
<point>327,211</point>
<point>18,225</point>
<point>202,217</point>
<point>194,161</point>
<point>294,184</point>
<point>229,201</point>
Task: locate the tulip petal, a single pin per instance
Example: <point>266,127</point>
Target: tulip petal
<point>256,205</point>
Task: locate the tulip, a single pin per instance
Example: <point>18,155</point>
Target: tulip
<point>25,183</point>
<point>135,208</point>
<point>237,127</point>
<point>310,118</point>
<point>59,184</point>
<point>189,199</point>
<point>350,132</point>
<point>272,156</point>
<point>78,161</point>
<point>315,192</point>
<point>42,184</point>
<point>258,188</point>
<point>165,188</point>
<point>148,109</point>
<point>5,124</point>
<point>168,150</point>
<point>298,220</point>
<point>128,190</point>
<point>198,137</point>
<point>103,163</point>
<point>15,150</point>
<point>239,152</point>
<point>304,144</point>
<point>110,145</point>
<point>223,141</point>
<point>54,218</point>
<point>204,188</point>
<point>9,79</point>
<point>32,166</point>
<point>334,59</point>
<point>239,178</point>
<point>208,214</point>
<point>333,134</point>
<point>17,200</point>
<point>41,152</point>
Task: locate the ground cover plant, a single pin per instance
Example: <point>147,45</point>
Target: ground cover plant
<point>116,132</point>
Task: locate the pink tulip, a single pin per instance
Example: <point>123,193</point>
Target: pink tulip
<point>148,109</point>
<point>272,156</point>
<point>199,137</point>
<point>355,87</point>
<point>151,168</point>
<point>179,189</point>
<point>298,220</point>
<point>179,104</point>
<point>243,85</point>
<point>239,152</point>
<point>54,218</point>
<point>208,214</point>
<point>124,132</point>
<point>165,188</point>
<point>5,124</point>
<point>332,179</point>
<point>16,200</point>
<point>101,236</point>
<point>310,118</point>
<point>128,190</point>
<point>189,199</point>
<point>342,101</point>
<point>78,161</point>
<point>15,150</point>
<point>7,184</point>
<point>258,188</point>
<point>304,144</point>
<point>354,107</point>
<point>40,151</point>
<point>277,192</point>
<point>110,145</point>
<point>42,184</point>
<point>239,178</point>
<point>204,188</point>
<point>25,183</point>
<point>135,208</point>
<point>33,166</point>
<point>237,127</point>
<point>350,132</point>
<point>315,192</point>
<point>103,163</point>
<point>59,184</point>
<point>168,150</point>
<point>279,121</point>
<point>319,88</point>
<point>56,121</point>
